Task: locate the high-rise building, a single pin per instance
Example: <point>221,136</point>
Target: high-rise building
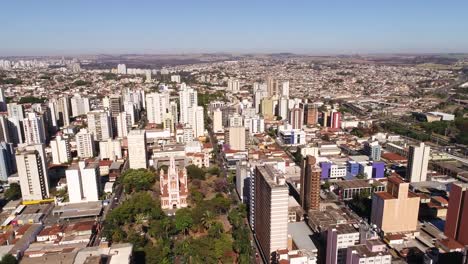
<point>7,161</point>
<point>15,111</point>
<point>396,209</point>
<point>173,109</point>
<point>335,120</point>
<point>236,138</point>
<point>257,125</point>
<point>310,184</point>
<point>85,144</point>
<point>32,172</point>
<point>260,93</point>
<point>373,150</point>
<point>148,76</point>
<point>4,130</point>
<point>173,186</point>
<point>110,149</point>
<point>124,124</point>
<point>296,118</point>
<point>310,114</point>
<point>270,210</point>
<point>121,69</point>
<point>236,120</point>
<point>3,105</point>
<point>156,107</point>
<point>175,78</point>
<point>60,150</point>
<point>243,180</point>
<point>233,85</point>
<point>168,122</point>
<point>267,108</point>
<point>99,123</point>
<point>283,108</point>
<point>115,105</point>
<point>188,97</point>
<point>285,89</point>
<point>457,214</point>
<point>79,105</point>
<point>196,120</point>
<point>418,160</point>
<point>339,238</point>
<point>53,109</point>
<point>64,111</point>
<point>83,182</point>
<point>272,87</point>
<point>137,154</point>
<point>217,121</point>
<point>34,129</point>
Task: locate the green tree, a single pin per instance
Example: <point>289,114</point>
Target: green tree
<point>137,180</point>
<point>13,192</point>
<point>207,219</point>
<point>8,259</point>
<point>195,172</point>
<point>216,229</point>
<point>183,220</point>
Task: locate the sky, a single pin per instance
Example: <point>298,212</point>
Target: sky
<point>31,27</point>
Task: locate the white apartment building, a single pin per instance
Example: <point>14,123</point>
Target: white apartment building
<point>79,105</point>
<point>61,152</point>
<point>110,149</point>
<point>32,172</point>
<point>217,121</point>
<point>83,182</point>
<point>85,144</point>
<point>137,154</point>
<point>196,120</point>
<point>34,129</point>
<point>156,107</point>
<point>100,125</point>
<point>188,97</point>
<point>339,238</point>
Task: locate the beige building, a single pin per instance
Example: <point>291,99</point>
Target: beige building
<point>395,210</point>
<point>268,108</point>
<point>217,121</point>
<point>235,138</point>
<point>137,155</point>
<point>32,172</point>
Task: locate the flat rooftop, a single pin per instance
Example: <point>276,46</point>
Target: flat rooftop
<point>302,236</point>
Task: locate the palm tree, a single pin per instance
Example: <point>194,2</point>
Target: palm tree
<point>207,219</point>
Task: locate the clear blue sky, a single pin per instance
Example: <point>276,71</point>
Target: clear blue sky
<point>316,27</point>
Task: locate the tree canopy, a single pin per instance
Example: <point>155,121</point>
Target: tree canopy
<point>137,180</point>
<point>13,192</point>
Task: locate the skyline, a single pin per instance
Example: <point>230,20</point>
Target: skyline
<point>118,27</point>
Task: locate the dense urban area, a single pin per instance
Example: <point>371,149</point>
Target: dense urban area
<point>221,158</point>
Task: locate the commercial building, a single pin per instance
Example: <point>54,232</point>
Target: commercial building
<point>373,251</point>
<point>173,186</point>
<point>137,154</point>
<point>61,152</point>
<point>418,160</point>
<point>85,144</point>
<point>310,184</point>
<point>373,150</point>
<point>83,182</point>
<point>243,180</point>
<point>32,172</point>
<point>457,214</point>
<point>395,210</point>
<point>270,210</point>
